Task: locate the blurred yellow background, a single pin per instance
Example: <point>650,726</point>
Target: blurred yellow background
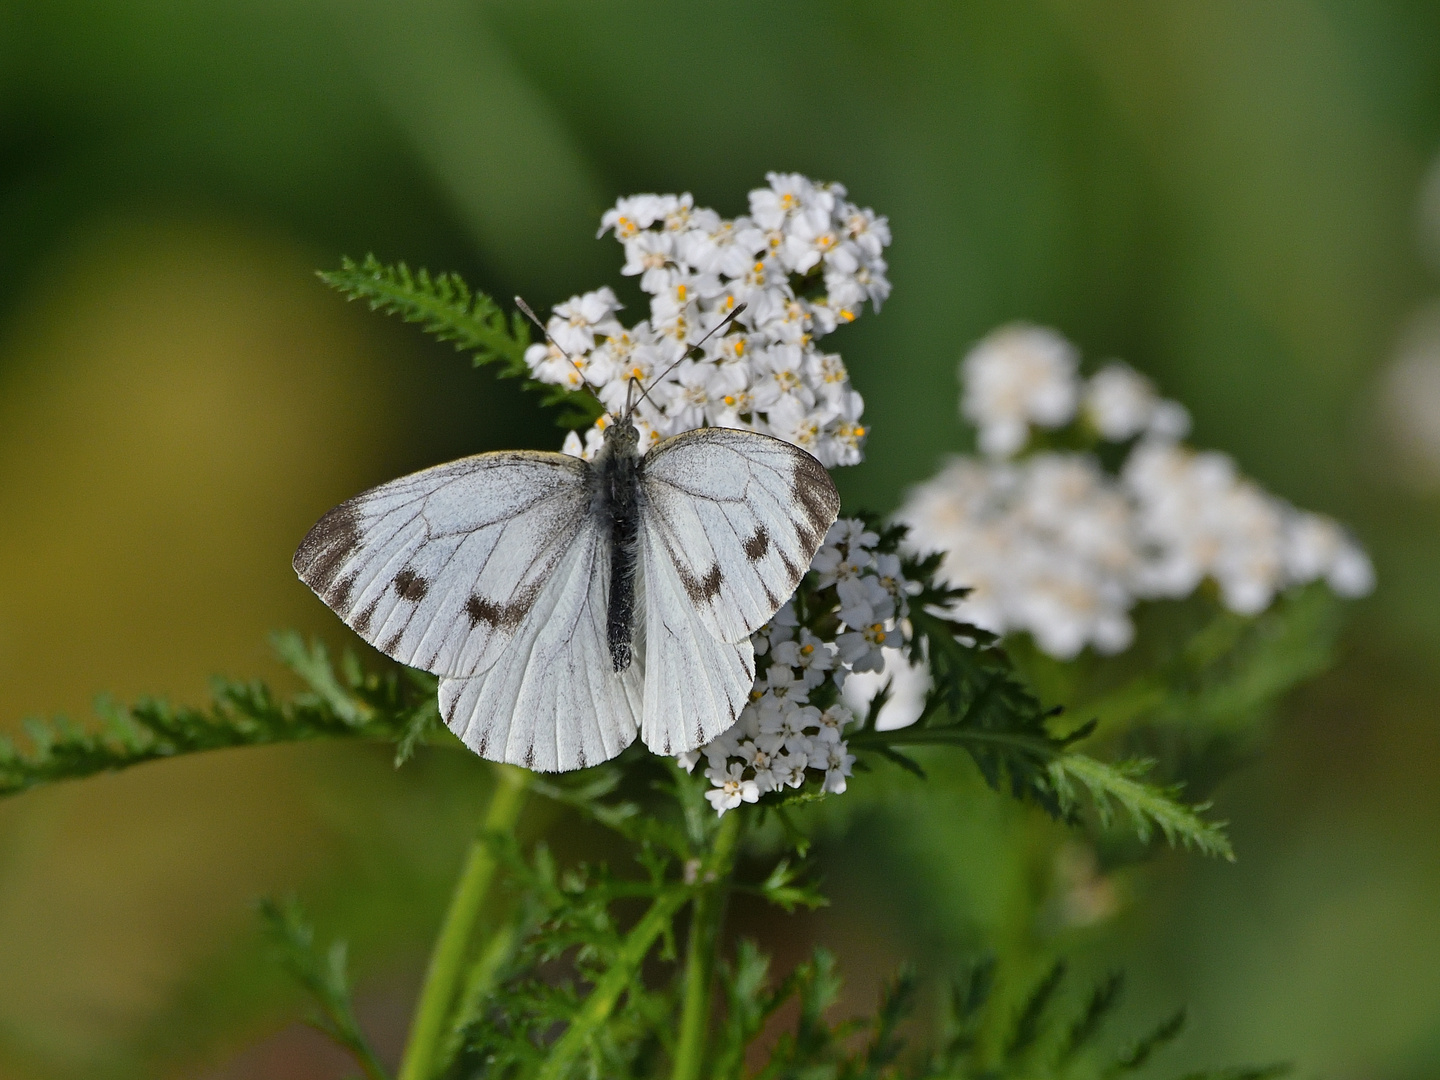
<point>1230,196</point>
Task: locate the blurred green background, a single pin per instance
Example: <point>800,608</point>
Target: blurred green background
<point>1229,195</point>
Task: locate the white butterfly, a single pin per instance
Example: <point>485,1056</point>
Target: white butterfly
<point>566,604</point>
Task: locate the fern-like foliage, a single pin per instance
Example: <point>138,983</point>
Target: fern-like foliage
<point>579,983</point>
<point>979,703</point>
<point>324,975</point>
<point>1047,1038</point>
<point>444,306</point>
<point>397,706</point>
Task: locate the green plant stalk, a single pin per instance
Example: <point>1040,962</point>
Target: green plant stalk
<point>478,985</point>
<point>602,1000</point>
<point>705,919</point>
<point>447,959</point>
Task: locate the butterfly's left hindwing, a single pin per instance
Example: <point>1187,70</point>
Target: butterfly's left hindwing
<point>552,700</point>
<point>739,516</point>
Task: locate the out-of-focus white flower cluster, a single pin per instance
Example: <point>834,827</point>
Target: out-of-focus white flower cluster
<point>792,731</point>
<point>804,261</point>
<point>1052,544</point>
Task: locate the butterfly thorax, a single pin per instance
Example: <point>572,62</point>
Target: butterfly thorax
<point>616,477</point>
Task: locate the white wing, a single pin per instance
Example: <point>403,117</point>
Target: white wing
<point>695,684</point>
<point>738,516</point>
<point>552,701</point>
<point>441,569</point>
<point>729,522</point>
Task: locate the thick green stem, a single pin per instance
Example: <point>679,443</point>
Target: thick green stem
<point>705,919</point>
<point>448,957</point>
<point>612,984</point>
<point>478,985</point>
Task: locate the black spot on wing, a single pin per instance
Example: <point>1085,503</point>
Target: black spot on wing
<point>321,555</point>
<point>757,545</point>
<point>705,589</point>
<point>411,586</point>
<point>389,647</point>
<point>503,615</point>
<point>814,494</point>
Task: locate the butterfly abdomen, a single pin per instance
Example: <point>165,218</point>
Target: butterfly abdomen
<point>617,475</point>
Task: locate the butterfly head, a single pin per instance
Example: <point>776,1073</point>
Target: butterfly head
<point>621,435</point>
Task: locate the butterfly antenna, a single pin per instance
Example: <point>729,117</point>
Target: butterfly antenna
<point>721,325</point>
<point>523,306</point>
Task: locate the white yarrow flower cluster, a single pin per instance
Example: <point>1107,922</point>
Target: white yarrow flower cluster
<point>1018,376</point>
<point>803,262</point>
<point>1044,544</point>
<point>792,730</point>
<point>1053,545</point>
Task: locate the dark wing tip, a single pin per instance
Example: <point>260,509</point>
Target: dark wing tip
<point>326,546</point>
<point>814,492</point>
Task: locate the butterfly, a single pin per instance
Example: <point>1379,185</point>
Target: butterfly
<point>568,604</point>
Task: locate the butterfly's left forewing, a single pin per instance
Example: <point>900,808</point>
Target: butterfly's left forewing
<point>441,568</point>
<point>493,573</point>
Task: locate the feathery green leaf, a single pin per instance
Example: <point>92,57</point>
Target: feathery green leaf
<point>394,707</point>
<point>444,306</point>
<point>324,975</point>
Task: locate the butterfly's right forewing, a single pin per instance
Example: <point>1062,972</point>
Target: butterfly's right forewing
<point>729,522</point>
<point>442,569</point>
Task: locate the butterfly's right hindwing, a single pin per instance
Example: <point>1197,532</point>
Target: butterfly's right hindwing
<point>729,522</point>
<point>441,569</point>
<point>695,684</point>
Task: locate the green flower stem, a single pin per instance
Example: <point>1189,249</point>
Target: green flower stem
<point>448,957</point>
<point>612,984</point>
<point>705,920</point>
<point>478,984</point>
